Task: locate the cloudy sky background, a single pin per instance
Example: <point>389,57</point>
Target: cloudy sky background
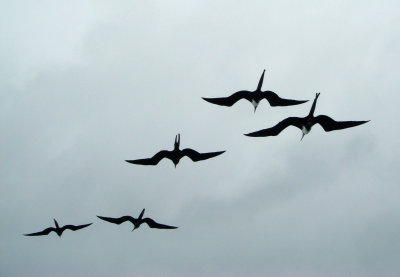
<point>85,85</point>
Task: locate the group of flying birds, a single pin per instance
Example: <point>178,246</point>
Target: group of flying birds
<point>118,220</point>
<point>254,97</point>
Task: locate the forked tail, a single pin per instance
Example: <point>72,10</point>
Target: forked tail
<point>141,214</point>
<point>314,104</point>
<point>177,141</point>
<point>261,81</point>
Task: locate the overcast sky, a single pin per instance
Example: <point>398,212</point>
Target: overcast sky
<point>85,85</point>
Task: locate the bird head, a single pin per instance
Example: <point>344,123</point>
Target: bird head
<point>305,130</point>
<point>255,105</point>
<point>135,226</point>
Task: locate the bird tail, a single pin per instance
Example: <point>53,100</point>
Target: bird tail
<point>141,214</point>
<point>261,81</point>
<point>177,141</point>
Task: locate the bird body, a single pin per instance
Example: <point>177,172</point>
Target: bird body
<point>58,230</point>
<point>306,123</point>
<point>137,221</point>
<point>176,155</point>
<point>254,97</point>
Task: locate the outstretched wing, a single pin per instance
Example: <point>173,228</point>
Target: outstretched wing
<point>117,220</point>
<point>196,156</point>
<point>152,161</point>
<point>330,125</point>
<point>229,101</point>
<point>42,233</point>
<point>275,100</point>
<point>74,228</point>
<point>153,224</point>
<point>274,131</point>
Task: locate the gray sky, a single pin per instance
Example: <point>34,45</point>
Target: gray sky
<point>85,85</point>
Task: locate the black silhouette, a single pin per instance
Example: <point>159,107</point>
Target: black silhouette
<point>254,97</point>
<point>305,124</point>
<point>58,230</point>
<point>175,155</point>
<point>137,221</point>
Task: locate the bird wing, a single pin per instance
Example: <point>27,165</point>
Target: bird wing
<point>230,100</point>
<point>42,233</point>
<point>152,161</point>
<point>74,228</point>
<point>274,131</point>
<point>153,224</point>
<point>275,100</point>
<point>117,220</point>
<point>196,156</point>
<point>330,125</point>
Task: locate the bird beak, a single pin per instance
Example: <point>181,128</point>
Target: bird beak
<point>302,137</point>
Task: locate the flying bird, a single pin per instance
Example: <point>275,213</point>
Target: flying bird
<point>175,155</point>
<point>137,221</point>
<point>305,124</point>
<point>254,97</point>
<point>58,230</point>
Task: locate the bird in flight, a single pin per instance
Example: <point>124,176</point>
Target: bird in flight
<point>59,230</point>
<point>254,97</point>
<point>305,124</point>
<point>175,155</point>
<point>137,221</point>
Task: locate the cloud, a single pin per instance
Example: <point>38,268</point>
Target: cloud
<point>126,78</point>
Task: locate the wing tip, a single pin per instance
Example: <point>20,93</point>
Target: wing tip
<point>250,134</point>
<point>169,227</point>
<point>134,162</point>
<point>363,122</point>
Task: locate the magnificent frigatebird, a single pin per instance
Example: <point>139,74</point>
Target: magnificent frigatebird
<point>305,124</point>
<point>137,221</point>
<point>58,230</point>
<point>175,155</point>
<point>254,97</point>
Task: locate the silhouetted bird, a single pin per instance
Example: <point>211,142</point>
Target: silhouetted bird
<point>137,221</point>
<point>305,124</point>
<point>175,155</point>
<point>254,97</point>
<point>58,230</point>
